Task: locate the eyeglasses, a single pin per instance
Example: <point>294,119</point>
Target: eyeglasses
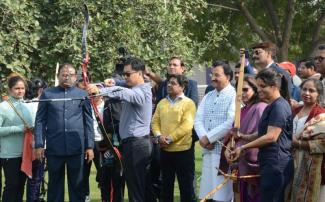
<point>215,75</point>
<point>319,58</point>
<point>245,90</point>
<point>257,52</point>
<point>128,74</point>
<point>68,75</point>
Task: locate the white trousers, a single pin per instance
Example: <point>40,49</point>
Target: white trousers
<point>210,179</point>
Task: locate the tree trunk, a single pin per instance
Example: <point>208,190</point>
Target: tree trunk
<point>282,53</point>
<point>287,28</point>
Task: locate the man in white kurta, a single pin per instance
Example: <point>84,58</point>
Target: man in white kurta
<point>213,121</point>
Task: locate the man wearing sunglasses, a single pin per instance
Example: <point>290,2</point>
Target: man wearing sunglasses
<point>134,127</point>
<point>320,65</point>
<point>263,57</point>
<point>320,60</point>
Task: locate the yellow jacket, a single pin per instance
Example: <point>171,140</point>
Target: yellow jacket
<point>176,121</point>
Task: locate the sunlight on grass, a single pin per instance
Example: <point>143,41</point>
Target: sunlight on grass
<point>95,192</point>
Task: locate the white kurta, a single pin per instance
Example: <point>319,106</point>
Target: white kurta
<point>214,119</point>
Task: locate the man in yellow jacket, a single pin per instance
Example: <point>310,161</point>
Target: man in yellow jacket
<point>173,123</point>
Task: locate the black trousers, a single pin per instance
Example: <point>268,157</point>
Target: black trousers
<point>274,182</point>
<point>156,170</point>
<point>178,164</point>
<point>14,179</point>
<point>56,173</point>
<point>136,159</point>
<point>87,169</point>
<point>34,184</point>
<point>111,180</point>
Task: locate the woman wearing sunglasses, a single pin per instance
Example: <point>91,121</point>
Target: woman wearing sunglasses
<point>250,115</point>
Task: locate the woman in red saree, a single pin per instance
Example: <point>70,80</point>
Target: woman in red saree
<point>309,143</point>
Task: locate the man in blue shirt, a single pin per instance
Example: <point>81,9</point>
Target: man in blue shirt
<point>134,127</point>
<point>67,127</point>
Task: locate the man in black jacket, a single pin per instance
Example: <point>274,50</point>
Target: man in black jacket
<point>263,57</point>
<point>175,67</point>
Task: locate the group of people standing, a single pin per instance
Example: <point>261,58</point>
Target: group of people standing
<point>288,135</point>
<point>155,127</point>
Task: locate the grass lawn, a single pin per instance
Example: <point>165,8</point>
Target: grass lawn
<point>95,192</point>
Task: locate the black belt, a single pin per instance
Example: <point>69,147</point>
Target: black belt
<point>130,139</point>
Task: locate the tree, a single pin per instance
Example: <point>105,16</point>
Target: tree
<point>19,34</point>
<point>296,27</point>
<point>150,29</point>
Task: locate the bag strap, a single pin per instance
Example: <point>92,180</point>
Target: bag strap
<point>19,115</point>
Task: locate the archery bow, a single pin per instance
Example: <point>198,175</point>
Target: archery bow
<point>237,111</point>
<point>69,99</point>
<point>84,66</point>
<point>239,95</point>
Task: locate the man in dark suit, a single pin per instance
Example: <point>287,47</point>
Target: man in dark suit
<point>263,57</point>
<point>67,127</point>
<point>320,66</point>
<point>177,66</point>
